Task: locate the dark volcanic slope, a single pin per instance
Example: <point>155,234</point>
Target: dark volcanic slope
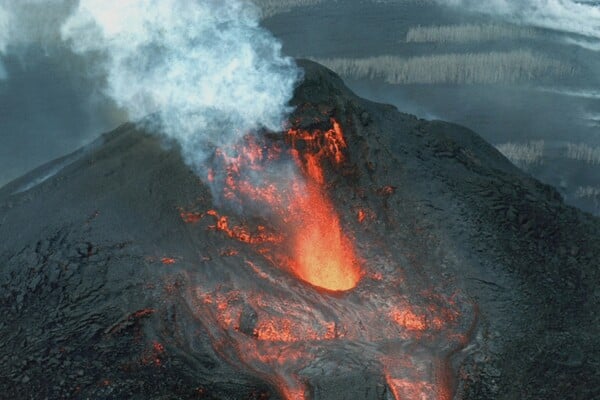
<point>97,265</point>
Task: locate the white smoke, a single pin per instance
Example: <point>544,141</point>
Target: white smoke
<point>582,93</point>
<point>202,72</point>
<point>579,17</point>
<point>204,69</point>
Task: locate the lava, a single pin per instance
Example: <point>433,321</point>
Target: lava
<point>320,144</point>
<point>285,330</point>
<point>323,255</point>
<point>260,235</point>
<point>409,320</point>
<point>409,390</point>
<point>261,316</point>
<point>361,215</point>
<point>320,253</point>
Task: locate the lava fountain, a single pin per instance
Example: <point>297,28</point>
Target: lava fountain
<point>290,300</point>
<point>320,252</point>
<point>324,255</point>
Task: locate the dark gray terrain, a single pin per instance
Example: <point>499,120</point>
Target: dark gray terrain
<point>90,310</point>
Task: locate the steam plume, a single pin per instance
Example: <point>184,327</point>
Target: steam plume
<point>203,72</point>
<point>204,69</point>
<point>467,33</point>
<point>523,154</point>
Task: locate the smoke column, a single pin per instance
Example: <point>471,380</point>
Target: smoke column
<point>202,72</point>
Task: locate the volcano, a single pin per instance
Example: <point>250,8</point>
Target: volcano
<point>410,260</point>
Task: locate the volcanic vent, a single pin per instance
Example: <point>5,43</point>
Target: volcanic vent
<point>356,312</point>
<point>359,253</point>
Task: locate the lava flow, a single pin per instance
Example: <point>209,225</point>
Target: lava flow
<point>320,253</point>
<point>348,314</point>
<point>323,255</point>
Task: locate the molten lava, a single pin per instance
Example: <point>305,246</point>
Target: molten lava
<point>320,145</point>
<point>316,249</point>
<point>323,255</point>
<point>260,317</point>
<point>260,235</point>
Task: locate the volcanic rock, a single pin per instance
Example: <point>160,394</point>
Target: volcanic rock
<point>99,261</point>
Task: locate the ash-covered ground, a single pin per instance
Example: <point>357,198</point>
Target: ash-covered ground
<point>99,269</point>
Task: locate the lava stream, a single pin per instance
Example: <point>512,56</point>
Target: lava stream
<point>323,255</point>
<point>318,250</point>
<point>262,319</point>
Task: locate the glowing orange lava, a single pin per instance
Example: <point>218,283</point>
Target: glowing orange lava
<point>405,389</point>
<point>409,320</point>
<point>317,250</point>
<point>261,318</point>
<point>260,235</point>
<point>323,255</point>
